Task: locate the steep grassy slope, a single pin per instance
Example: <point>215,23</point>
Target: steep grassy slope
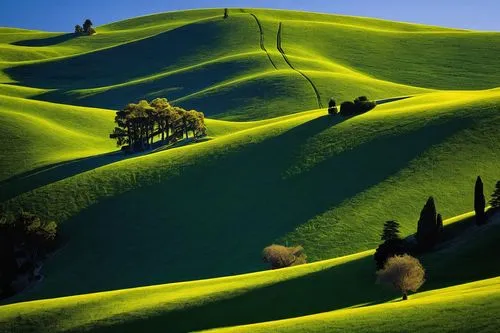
<point>280,294</point>
<point>301,178</point>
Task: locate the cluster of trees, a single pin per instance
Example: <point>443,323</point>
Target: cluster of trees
<point>86,29</point>
<point>139,124</point>
<point>24,242</point>
<point>279,256</point>
<point>347,109</point>
<point>394,264</point>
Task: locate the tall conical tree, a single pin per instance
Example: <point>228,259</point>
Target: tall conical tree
<point>427,229</point>
<point>479,202</point>
<point>439,223</point>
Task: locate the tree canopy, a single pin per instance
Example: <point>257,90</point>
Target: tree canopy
<point>404,273</point>
<point>138,124</point>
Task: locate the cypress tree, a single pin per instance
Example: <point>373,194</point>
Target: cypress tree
<point>479,202</point>
<point>495,197</point>
<point>439,222</point>
<point>427,229</point>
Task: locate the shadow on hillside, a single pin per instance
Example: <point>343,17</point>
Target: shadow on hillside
<point>49,41</point>
<point>326,290</point>
<point>45,175</point>
<point>129,61</point>
<point>216,216</point>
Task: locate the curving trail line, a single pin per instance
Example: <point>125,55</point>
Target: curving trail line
<point>280,49</point>
<point>262,46</point>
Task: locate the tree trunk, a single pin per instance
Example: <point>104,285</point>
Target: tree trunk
<point>405,296</point>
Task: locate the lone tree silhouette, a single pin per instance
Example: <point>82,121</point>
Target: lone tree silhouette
<point>428,229</point>
<point>404,273</point>
<point>226,14</point>
<point>332,107</point>
<point>479,202</point>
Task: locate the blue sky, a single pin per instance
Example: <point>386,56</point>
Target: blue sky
<point>62,15</point>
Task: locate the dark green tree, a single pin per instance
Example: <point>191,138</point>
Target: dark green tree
<point>393,244</point>
<point>226,14</point>
<point>332,107</point>
<point>391,231</point>
<point>428,229</point>
<point>479,202</point>
<point>78,29</point>
<point>87,25</point>
<point>439,221</point>
<point>24,235</point>
<point>495,197</point>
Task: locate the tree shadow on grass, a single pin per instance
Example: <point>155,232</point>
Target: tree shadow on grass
<point>327,290</point>
<point>33,179</point>
<point>216,216</point>
<point>49,41</point>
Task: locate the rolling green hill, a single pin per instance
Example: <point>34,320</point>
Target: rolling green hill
<point>276,167</point>
<point>283,294</point>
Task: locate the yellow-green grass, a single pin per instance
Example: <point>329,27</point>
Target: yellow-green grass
<point>230,76</point>
<point>266,296</point>
<point>36,134</point>
<point>303,179</point>
<point>20,45</point>
<point>470,307</point>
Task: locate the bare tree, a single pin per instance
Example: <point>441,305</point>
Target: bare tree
<point>404,273</point>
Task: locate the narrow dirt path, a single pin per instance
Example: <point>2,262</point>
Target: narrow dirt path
<point>262,45</point>
<point>280,49</point>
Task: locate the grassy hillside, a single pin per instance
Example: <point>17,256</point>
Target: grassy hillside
<point>237,71</point>
<point>35,134</point>
<point>275,168</point>
<point>468,307</point>
<point>308,184</point>
<point>279,294</point>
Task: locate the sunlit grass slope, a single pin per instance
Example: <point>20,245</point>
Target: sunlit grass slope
<point>307,179</point>
<point>466,308</point>
<point>279,294</point>
<point>35,134</point>
<point>233,69</point>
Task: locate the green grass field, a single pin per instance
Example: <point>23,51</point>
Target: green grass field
<point>276,169</point>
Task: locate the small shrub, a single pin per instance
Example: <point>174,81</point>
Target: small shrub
<point>332,107</point>
<point>78,29</point>
<point>404,273</point>
<point>279,256</point>
<point>360,105</point>
<point>347,109</point>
